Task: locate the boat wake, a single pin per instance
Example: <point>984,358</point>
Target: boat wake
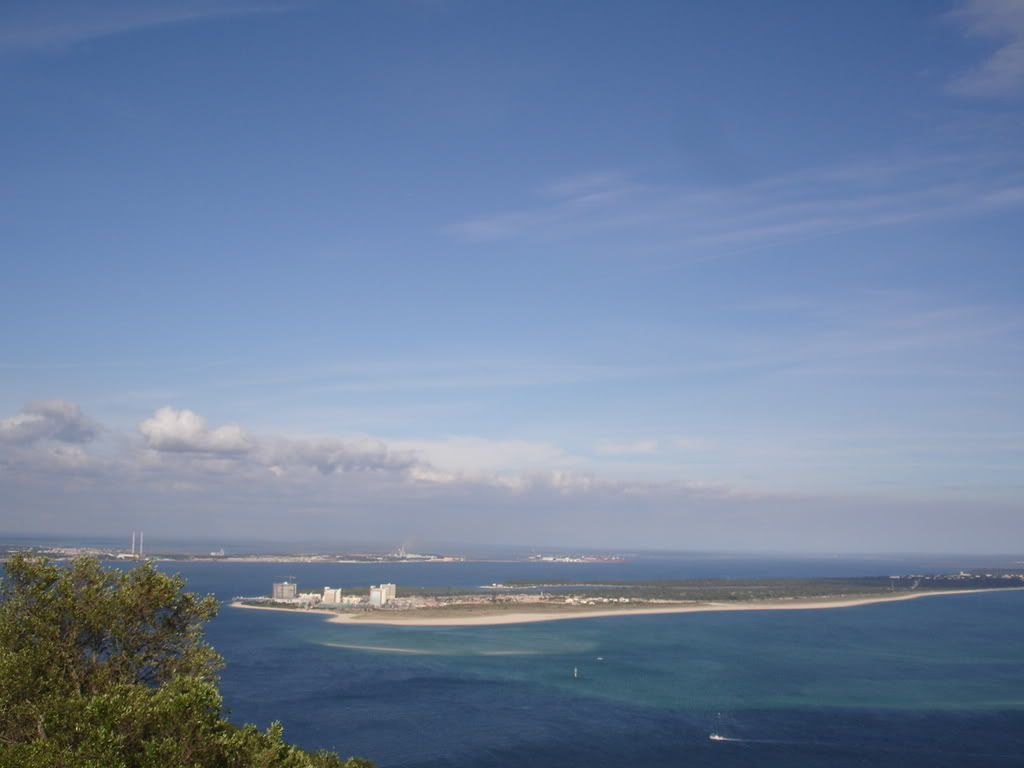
<point>719,737</point>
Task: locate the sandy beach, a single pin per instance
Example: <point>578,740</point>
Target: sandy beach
<point>484,618</point>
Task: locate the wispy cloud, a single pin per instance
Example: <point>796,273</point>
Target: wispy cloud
<point>864,338</point>
<point>38,26</point>
<point>1001,74</point>
<point>434,375</point>
<point>714,220</point>
<point>476,455</point>
<point>564,201</point>
<point>627,448</point>
<point>648,447</point>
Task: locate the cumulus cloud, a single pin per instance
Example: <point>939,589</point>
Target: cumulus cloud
<point>58,420</point>
<point>71,457</point>
<point>1002,73</point>
<point>329,455</point>
<point>231,448</point>
<point>170,429</point>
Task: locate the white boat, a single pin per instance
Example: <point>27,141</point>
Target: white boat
<point>716,737</point>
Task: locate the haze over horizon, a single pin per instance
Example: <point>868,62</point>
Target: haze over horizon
<point>671,276</point>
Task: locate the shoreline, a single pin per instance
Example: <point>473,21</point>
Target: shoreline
<point>482,618</point>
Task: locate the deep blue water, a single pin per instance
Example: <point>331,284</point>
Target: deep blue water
<point>931,682</point>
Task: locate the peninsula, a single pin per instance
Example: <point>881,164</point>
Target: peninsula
<point>526,602</point>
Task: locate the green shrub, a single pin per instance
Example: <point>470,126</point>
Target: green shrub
<point>104,668</point>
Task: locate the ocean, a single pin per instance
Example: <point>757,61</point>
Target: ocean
<point>932,682</point>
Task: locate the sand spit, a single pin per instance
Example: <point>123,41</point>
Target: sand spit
<point>486,617</point>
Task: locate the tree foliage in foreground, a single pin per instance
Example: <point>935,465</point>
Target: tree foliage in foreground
<point>103,668</point>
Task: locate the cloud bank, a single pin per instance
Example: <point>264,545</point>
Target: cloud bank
<point>176,474</point>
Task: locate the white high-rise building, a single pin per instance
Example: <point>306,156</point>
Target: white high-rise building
<point>332,596</point>
<point>382,595</point>
<point>285,590</point>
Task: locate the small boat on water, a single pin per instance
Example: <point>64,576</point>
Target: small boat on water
<point>716,737</point>
<point>575,673</point>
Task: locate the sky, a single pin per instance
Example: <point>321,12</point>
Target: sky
<point>691,276</point>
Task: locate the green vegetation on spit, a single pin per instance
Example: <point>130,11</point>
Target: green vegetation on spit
<point>103,668</point>
<point>717,590</point>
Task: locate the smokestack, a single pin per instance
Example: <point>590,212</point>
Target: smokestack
<point>133,543</point>
<point>141,534</point>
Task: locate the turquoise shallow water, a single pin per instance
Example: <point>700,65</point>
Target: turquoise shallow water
<point>935,681</point>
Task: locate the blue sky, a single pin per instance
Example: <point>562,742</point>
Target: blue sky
<point>709,275</point>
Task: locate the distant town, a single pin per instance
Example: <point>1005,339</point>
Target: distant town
<point>136,550</point>
<point>287,594</point>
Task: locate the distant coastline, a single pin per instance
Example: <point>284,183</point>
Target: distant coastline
<point>488,617</point>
